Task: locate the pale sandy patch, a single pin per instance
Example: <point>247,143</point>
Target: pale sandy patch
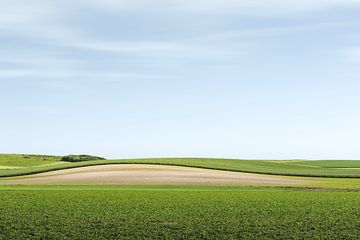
<point>150,174</point>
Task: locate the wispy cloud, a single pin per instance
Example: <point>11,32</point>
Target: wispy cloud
<point>34,72</point>
<point>21,9</point>
<point>243,7</point>
<point>45,23</point>
<point>68,74</point>
<point>260,32</point>
<point>42,27</point>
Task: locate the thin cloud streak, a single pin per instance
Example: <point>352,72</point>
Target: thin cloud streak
<point>78,75</point>
<point>244,7</point>
<point>252,33</point>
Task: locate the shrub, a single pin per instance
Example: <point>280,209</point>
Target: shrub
<point>80,158</point>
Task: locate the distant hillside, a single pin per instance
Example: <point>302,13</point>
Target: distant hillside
<point>8,161</point>
<point>17,165</point>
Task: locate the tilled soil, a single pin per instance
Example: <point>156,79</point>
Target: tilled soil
<point>150,174</point>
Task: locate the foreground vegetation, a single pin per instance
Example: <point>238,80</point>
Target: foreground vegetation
<point>328,208</point>
<point>17,165</point>
<point>138,212</point>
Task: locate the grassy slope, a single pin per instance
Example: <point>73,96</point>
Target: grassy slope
<point>8,161</point>
<point>133,212</point>
<point>23,164</point>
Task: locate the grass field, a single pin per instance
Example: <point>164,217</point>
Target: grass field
<point>16,165</point>
<point>138,212</point>
<point>8,161</point>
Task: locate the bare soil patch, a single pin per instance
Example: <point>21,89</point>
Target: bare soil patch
<point>150,174</point>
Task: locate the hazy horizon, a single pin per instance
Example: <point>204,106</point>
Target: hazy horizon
<point>219,78</point>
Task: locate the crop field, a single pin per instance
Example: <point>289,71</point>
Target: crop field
<point>155,212</point>
<point>16,165</point>
<point>93,200</point>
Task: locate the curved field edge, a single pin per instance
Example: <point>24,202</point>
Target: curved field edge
<point>283,168</point>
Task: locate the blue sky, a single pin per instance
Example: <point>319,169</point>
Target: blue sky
<point>273,79</point>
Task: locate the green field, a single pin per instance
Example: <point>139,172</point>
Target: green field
<point>136,212</point>
<point>16,165</point>
<point>8,161</point>
<point>328,208</point>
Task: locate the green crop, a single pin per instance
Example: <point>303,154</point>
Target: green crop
<point>111,212</point>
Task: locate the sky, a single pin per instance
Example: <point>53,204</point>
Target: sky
<point>270,79</point>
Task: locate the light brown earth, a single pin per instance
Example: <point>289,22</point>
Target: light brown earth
<point>149,174</point>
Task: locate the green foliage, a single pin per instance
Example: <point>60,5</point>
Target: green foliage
<point>80,158</point>
<point>163,213</point>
